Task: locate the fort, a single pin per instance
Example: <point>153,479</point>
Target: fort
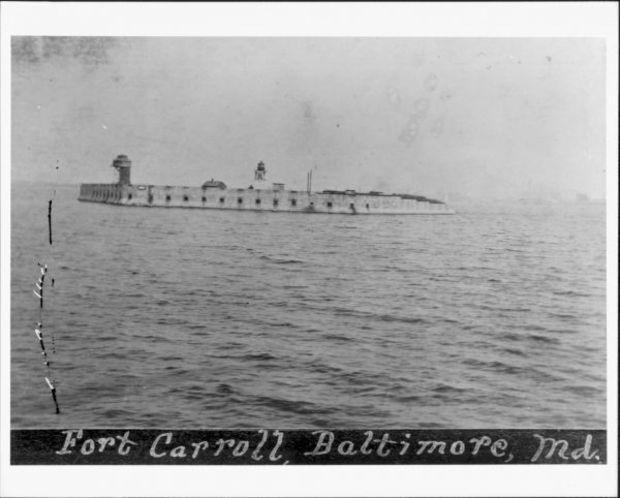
<point>260,196</point>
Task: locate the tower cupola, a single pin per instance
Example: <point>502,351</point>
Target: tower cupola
<point>123,165</point>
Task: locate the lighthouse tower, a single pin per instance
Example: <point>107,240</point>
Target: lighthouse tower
<point>260,174</point>
<point>123,165</point>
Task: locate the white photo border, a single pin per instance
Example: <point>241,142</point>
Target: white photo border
<point>545,19</point>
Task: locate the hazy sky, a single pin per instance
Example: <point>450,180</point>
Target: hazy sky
<point>476,117</point>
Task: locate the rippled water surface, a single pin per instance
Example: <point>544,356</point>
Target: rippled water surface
<point>191,318</point>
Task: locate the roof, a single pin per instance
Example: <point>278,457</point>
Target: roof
<point>214,184</point>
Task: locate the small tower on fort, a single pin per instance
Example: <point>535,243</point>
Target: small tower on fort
<point>123,165</point>
<point>260,172</point>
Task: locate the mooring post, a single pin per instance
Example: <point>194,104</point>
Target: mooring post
<point>53,389</point>
<point>49,219</point>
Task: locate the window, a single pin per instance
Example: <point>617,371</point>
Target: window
<point>167,198</point>
<point>185,198</point>
<point>257,201</point>
<point>293,202</point>
<point>275,202</point>
<point>329,204</point>
<point>240,200</point>
<point>204,199</point>
<point>367,206</point>
<point>222,199</point>
<point>129,196</point>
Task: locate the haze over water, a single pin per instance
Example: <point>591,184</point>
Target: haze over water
<point>477,118</point>
<point>494,317</point>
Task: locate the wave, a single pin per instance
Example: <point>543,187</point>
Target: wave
<point>281,261</point>
<point>291,406</point>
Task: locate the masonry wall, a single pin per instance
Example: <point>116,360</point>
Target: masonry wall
<point>256,200</point>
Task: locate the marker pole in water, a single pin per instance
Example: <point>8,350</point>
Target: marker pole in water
<point>46,361</point>
<point>49,220</point>
<point>49,206</point>
<point>53,389</point>
<point>38,331</point>
<point>39,285</point>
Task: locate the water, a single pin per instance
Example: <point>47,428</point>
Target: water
<point>203,319</point>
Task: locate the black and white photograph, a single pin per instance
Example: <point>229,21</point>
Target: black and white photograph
<point>317,251</point>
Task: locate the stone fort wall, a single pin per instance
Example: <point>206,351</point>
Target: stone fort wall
<point>256,200</point>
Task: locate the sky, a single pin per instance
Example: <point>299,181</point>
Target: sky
<point>471,117</point>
